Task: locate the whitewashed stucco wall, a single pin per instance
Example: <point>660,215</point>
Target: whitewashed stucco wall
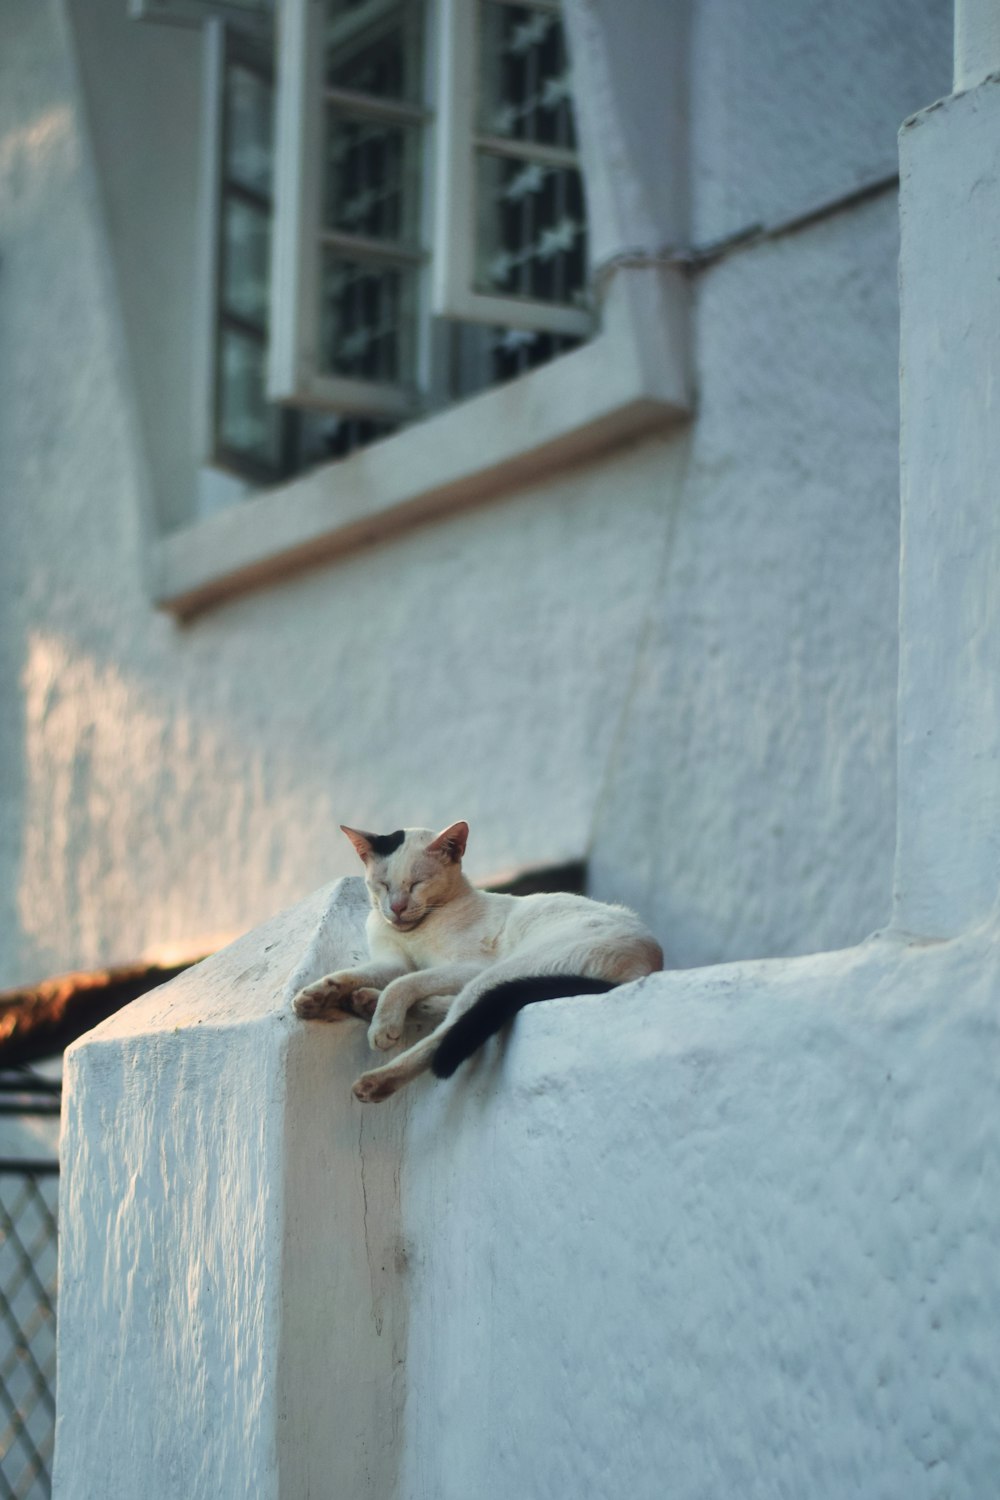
<point>797,103</point>
<point>649,658</point>
<point>758,1205</point>
<point>753,767</point>
<point>725,1232</point>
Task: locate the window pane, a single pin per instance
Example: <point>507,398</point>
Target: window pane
<point>372,178</point>
<point>525,78</point>
<point>324,436</point>
<point>515,350</point>
<point>381,58</point>
<point>246,253</point>
<point>366,320</point>
<point>531,239</point>
<point>248,129</point>
<point>340,8</point>
<point>247,424</point>
<point>371,189</point>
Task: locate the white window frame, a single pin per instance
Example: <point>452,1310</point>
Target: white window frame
<point>224,45</point>
<point>195,12</point>
<point>632,377</point>
<point>453,290</point>
<point>294,373</point>
<point>447,118</point>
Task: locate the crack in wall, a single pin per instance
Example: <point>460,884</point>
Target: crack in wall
<point>377,1318</point>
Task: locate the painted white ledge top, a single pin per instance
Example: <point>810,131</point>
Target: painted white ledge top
<point>255,978</point>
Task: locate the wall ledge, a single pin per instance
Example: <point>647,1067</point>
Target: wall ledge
<point>629,380</point>
<point>238,1248</point>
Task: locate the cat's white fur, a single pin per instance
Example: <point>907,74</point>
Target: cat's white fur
<point>437,944</point>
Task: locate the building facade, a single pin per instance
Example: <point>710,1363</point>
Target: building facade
<point>663,641</point>
<point>654,603</point>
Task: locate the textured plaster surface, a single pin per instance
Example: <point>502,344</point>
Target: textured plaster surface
<point>636,83</point>
<point>730,1228</point>
<point>171,1164</point>
<point>760,1208</point>
<point>231,1272</point>
<point>797,104</point>
<point>681,655</point>
<point>152,235</point>
<point>750,790</point>
<point>948,864</point>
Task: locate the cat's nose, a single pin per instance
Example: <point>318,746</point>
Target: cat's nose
<point>398,905</point>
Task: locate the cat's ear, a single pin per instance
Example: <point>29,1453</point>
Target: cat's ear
<point>450,842</point>
<point>361,841</point>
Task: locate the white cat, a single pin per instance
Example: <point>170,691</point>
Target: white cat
<point>466,957</point>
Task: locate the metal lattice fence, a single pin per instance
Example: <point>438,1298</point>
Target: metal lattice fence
<point>29,1182</point>
<point>28,1264</point>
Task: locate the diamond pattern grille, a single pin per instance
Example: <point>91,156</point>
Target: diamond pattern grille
<point>28,1269</point>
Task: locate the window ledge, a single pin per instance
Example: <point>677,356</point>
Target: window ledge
<point>632,378</point>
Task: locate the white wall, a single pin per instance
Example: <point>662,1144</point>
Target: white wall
<point>751,791</point>
<point>729,1234</point>
<point>143,133</point>
<point>728,1231</point>
<point>798,103</point>
<point>679,658</point>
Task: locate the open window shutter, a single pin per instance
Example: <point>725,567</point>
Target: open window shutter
<point>510,232</point>
<point>346,254</point>
<point>240,431</point>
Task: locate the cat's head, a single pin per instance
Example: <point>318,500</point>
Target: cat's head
<point>411,872</point>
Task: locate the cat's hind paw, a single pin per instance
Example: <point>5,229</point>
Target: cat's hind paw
<point>372,1088</point>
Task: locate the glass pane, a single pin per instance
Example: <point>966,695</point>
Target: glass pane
<point>531,239</point>
<point>322,437</point>
<point>366,320</point>
<point>371,178</point>
<point>381,58</point>
<point>526,91</point>
<point>246,234</point>
<point>515,350</point>
<point>248,129</point>
<point>247,424</point>
<point>339,8</point>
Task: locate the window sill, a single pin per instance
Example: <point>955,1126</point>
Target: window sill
<point>632,378</point>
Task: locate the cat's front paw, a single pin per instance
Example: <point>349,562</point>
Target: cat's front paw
<point>363,1003</point>
<point>326,1000</point>
<point>385,1032</point>
<point>372,1088</point>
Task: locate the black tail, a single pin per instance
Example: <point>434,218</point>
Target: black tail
<point>498,1006</point>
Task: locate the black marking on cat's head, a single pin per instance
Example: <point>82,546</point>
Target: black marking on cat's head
<point>369,846</point>
<point>384,844</point>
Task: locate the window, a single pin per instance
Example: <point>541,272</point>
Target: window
<point>397,229</point>
<point>511,220</point>
<point>243,431</point>
<point>409,231</point>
